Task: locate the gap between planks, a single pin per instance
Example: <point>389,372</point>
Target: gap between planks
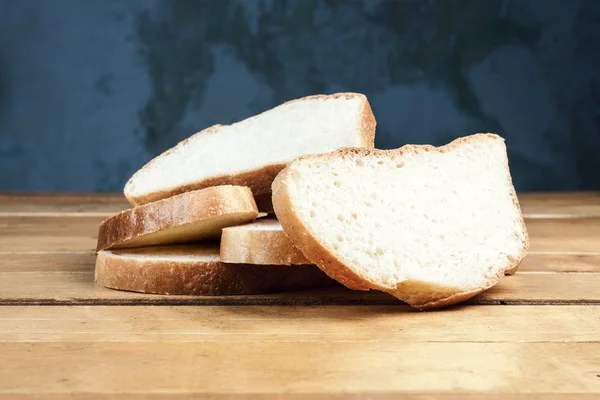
<point>481,324</point>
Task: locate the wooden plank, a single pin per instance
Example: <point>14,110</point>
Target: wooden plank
<point>52,196</point>
<point>428,395</point>
<point>301,324</point>
<point>47,262</point>
<point>557,262</point>
<point>568,235</point>
<point>52,234</point>
<point>63,234</point>
<point>78,288</point>
<point>61,204</point>
<point>298,367</point>
<point>560,205</point>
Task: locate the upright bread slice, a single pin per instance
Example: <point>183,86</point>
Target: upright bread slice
<point>260,242</point>
<point>196,270</point>
<point>187,217</point>
<point>432,226</point>
<point>252,152</point>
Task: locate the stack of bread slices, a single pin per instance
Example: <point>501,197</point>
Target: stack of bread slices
<point>297,197</point>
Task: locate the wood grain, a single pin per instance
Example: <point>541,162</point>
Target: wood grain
<point>545,344</point>
<point>51,234</point>
<point>560,205</point>
<point>297,366</point>
<point>78,288</point>
<point>428,395</point>
<point>76,234</point>
<point>567,235</point>
<point>63,204</point>
<point>558,262</point>
<point>47,262</point>
<point>321,324</point>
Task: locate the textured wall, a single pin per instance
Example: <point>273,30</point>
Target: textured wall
<point>90,90</point>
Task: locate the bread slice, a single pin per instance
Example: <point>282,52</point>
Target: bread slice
<point>252,152</point>
<point>432,226</point>
<point>196,270</point>
<point>260,242</point>
<point>191,216</point>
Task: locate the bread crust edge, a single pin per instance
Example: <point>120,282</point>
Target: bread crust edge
<point>179,210</point>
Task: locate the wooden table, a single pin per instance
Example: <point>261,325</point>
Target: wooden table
<point>533,334</point>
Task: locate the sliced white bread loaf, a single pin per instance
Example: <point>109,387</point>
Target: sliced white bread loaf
<point>252,152</point>
<point>192,216</point>
<point>432,226</point>
<point>260,242</point>
<point>196,270</point>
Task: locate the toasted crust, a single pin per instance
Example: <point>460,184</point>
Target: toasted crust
<point>203,205</point>
<point>178,273</point>
<point>258,180</point>
<point>242,244</point>
<point>410,292</point>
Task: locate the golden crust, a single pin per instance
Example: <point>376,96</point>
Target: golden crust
<point>196,277</point>
<point>335,268</point>
<point>259,246</point>
<point>258,180</point>
<point>176,211</point>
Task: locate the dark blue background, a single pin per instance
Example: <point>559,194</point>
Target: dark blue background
<point>90,90</point>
